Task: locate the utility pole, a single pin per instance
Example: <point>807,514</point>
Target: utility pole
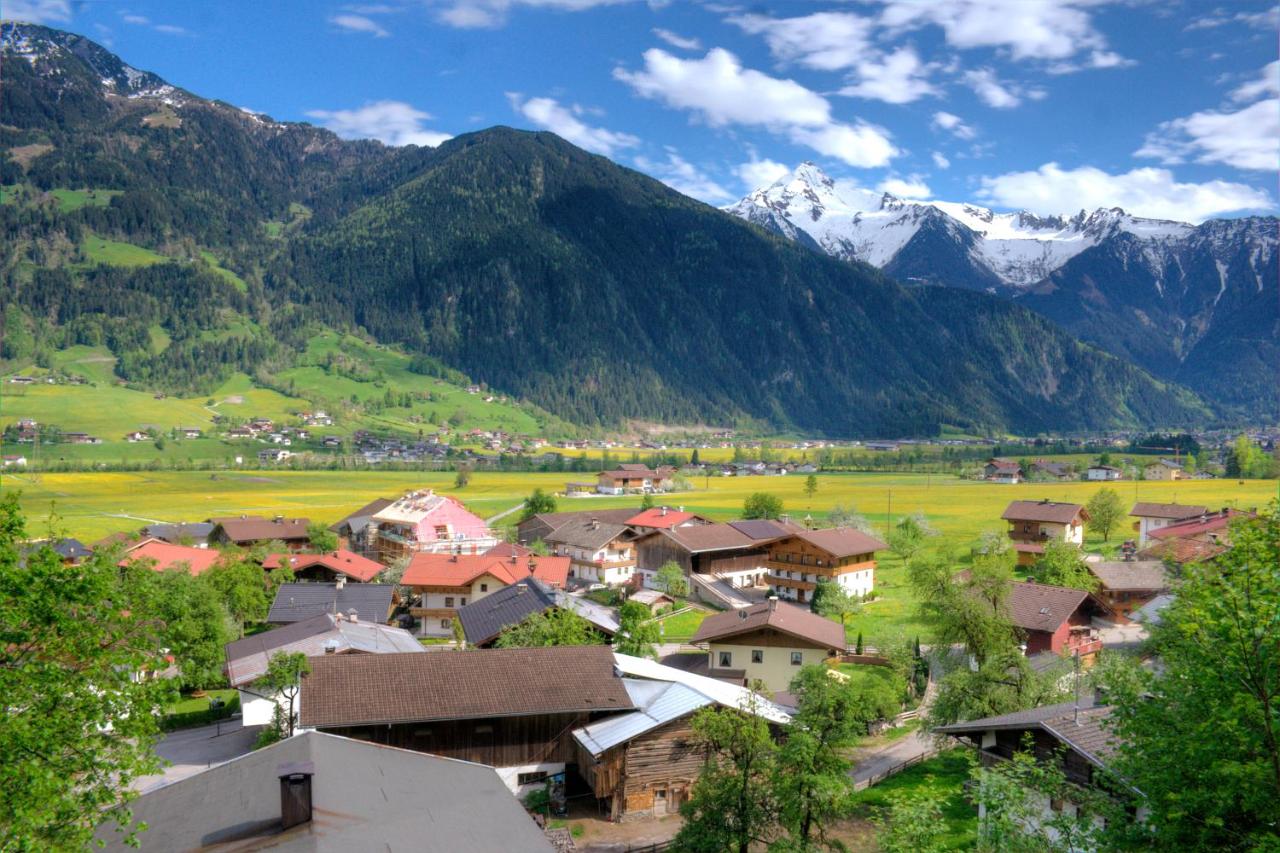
<point>888,516</point>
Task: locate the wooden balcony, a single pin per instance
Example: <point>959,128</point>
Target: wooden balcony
<point>790,583</point>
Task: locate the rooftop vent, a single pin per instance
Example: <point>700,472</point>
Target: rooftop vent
<point>295,792</point>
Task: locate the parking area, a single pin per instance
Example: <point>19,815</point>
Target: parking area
<point>191,750</point>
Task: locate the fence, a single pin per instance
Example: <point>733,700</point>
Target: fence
<point>894,770</point>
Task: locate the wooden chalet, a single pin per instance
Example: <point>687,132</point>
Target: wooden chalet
<point>1126,585</point>
<point>245,531</point>
<point>736,552</point>
<point>1033,523</point>
<point>1056,619</point>
<point>842,555</point>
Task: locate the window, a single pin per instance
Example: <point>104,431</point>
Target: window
<point>448,601</point>
<point>757,655</point>
<point>446,623</point>
<point>531,778</point>
<point>462,602</point>
<point>726,659</point>
<point>484,587</point>
<point>797,658</point>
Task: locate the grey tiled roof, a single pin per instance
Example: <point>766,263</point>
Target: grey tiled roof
<point>1131,574</point>
<point>297,601</point>
<point>485,619</point>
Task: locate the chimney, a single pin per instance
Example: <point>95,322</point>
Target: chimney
<point>330,648</point>
<point>342,581</point>
<point>595,523</point>
<point>353,615</point>
<point>784,518</point>
<point>279,518</point>
<point>295,792</point>
<point>680,509</point>
<point>773,603</point>
<point>662,511</point>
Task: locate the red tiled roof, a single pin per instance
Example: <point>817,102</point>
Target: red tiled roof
<point>1182,551</point>
<point>1201,524</point>
<point>346,562</point>
<point>787,618</point>
<point>462,569</point>
<point>168,556</point>
<point>660,517</point>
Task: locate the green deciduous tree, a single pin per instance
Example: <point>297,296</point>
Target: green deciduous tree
<point>671,580</point>
<point>78,726</point>
<point>191,621</point>
<point>912,824</point>
<point>1105,512</point>
<point>908,536</point>
<point>842,516</point>
<point>731,806</point>
<point>285,672</point>
<point>646,502</point>
<point>538,503</point>
<point>1212,714</point>
<point>321,537</point>
<point>1063,565</point>
<point>554,627</point>
<point>810,486</point>
<point>762,505</point>
<point>242,589</point>
<point>833,601</point>
<point>638,634</point>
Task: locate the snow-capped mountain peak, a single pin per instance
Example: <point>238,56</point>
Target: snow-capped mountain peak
<point>1014,250</point>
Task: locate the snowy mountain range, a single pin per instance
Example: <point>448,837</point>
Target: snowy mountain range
<point>1199,304</point>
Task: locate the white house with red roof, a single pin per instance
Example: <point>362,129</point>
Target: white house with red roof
<point>423,521</point>
<point>664,518</point>
<point>443,583</point>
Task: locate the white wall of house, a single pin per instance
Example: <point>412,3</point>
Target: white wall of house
<point>1146,525</point>
<point>861,582</point>
<point>511,776</point>
<point>257,710</point>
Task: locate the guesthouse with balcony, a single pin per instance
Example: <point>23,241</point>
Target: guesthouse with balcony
<point>1056,619</point>
<point>1153,516</point>
<point>598,551</point>
<point>442,584</point>
<point>1034,523</point>
<point>424,522</point>
<point>843,555</point>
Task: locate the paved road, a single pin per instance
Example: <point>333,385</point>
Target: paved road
<point>869,763</point>
<point>191,750</point>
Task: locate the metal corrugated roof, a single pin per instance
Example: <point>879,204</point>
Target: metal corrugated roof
<point>659,704</point>
<point>722,692</point>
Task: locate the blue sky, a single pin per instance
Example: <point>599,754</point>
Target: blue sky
<point>1164,108</point>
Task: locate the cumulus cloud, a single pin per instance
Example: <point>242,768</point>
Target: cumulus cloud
<point>913,186</point>
<point>683,177</point>
<point>551,115</point>
<point>760,173</point>
<point>953,124</point>
<point>1268,19</point>
<point>718,90</point>
<point>1145,192</point>
<point>997,93</point>
<point>359,24</point>
<point>898,78</point>
<point>38,11</point>
<point>483,14</point>
<point>1096,59</point>
<point>827,41</point>
<point>940,160</point>
<point>144,21</point>
<point>677,40</point>
<point>1027,29</point>
<point>393,122</point>
<point>1244,138</point>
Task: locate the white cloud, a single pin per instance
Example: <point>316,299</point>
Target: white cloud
<point>1245,139</point>
<point>38,11</point>
<point>359,24</point>
<point>898,78</point>
<point>940,160</point>
<point>481,14</point>
<point>1145,192</point>
<point>997,93</point>
<point>953,124</point>
<point>683,177</point>
<point>760,173</point>
<point>1265,20</point>
<point>1097,59</point>
<point>719,91</point>
<point>393,122</point>
<point>827,41</point>
<point>144,21</point>
<point>1028,29</point>
<point>913,186</point>
<point>677,40</point>
<point>549,114</point>
<point>1266,83</point>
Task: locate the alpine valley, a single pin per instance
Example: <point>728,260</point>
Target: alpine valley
<point>194,239</point>
<point>1194,304</point>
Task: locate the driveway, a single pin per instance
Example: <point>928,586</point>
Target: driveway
<point>191,750</point>
<point>871,763</point>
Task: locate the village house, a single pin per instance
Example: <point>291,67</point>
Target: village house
<point>1033,523</point>
<point>239,432</point>
<point>1153,516</point>
<point>168,557</point>
<point>735,553</point>
<point>330,566</point>
<point>1043,469</point>
<point>444,583</point>
<point>599,552</point>
<point>1164,469</point>
<point>368,602</point>
<point>136,436</point>
<point>327,634</point>
<point>643,763</point>
<point>358,532</point>
<point>767,642</point>
<point>626,479</point>
<point>273,455</point>
<point>485,620</point>
<point>72,552</point>
<point>80,438</point>
<point>320,792</point>
<point>1126,585</point>
<point>1056,619</point>
<point>189,432</point>
<point>1003,471</point>
<point>245,531</point>
<point>1072,735</point>
<point>842,555</point>
<point>663,518</point>
<point>1193,539</point>
<point>538,527</point>
<point>1103,473</point>
<point>424,522</point>
<point>13,460</point>
<point>195,534</point>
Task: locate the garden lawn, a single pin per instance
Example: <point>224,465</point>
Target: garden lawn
<point>188,704</point>
<point>682,626</point>
<point>942,776</point>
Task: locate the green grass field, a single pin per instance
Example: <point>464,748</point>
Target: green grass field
<point>100,250</point>
<point>941,776</point>
<point>682,626</point>
<point>92,505</point>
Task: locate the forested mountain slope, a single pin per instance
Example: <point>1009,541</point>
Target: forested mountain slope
<point>588,288</point>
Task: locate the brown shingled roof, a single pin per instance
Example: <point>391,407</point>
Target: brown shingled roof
<point>841,541</point>
<point>250,528</point>
<point>1152,510</point>
<point>1141,575</point>
<point>1040,607</point>
<point>1045,511</point>
<point>786,618</point>
<point>352,690</point>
